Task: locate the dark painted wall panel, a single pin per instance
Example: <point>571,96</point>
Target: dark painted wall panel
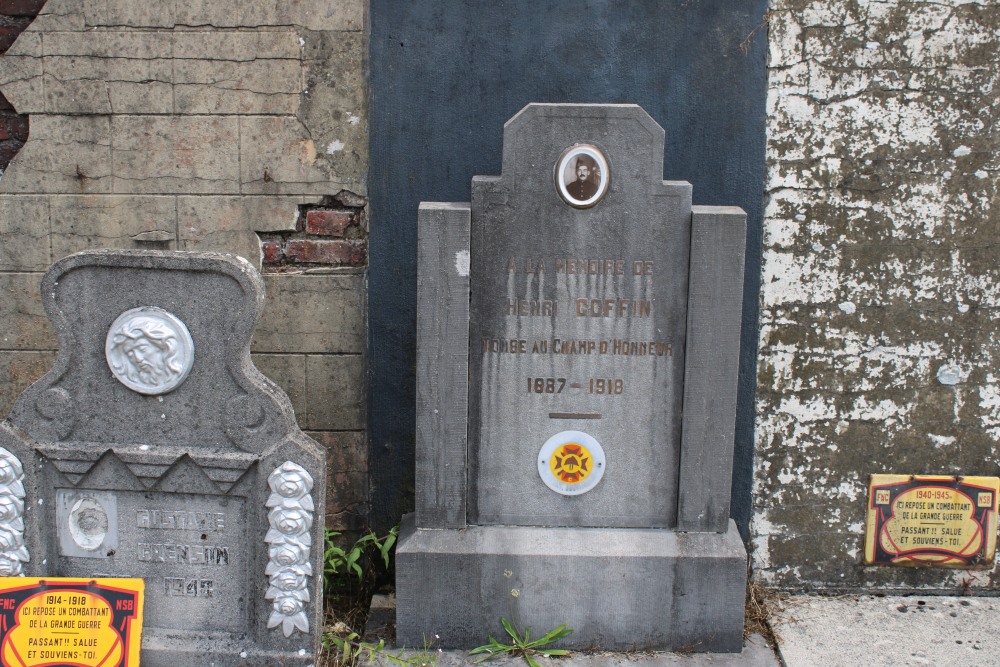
<point>445,77</point>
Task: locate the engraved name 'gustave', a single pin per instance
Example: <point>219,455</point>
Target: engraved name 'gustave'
<point>185,554</point>
<point>180,520</point>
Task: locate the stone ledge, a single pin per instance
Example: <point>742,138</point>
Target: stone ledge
<point>680,591</point>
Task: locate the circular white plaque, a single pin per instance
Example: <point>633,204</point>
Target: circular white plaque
<point>571,463</point>
<point>149,350</point>
<point>582,176</point>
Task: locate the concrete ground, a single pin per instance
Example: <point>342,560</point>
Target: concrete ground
<point>755,654</point>
<point>891,631</point>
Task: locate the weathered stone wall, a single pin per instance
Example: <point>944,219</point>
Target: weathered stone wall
<point>881,285</point>
<point>235,126</point>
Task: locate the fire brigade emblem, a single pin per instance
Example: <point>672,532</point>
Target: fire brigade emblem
<point>571,463</point>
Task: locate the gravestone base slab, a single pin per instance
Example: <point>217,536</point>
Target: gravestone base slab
<point>619,589</point>
<point>181,650</point>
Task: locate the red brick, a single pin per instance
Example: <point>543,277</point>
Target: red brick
<point>9,33</point>
<point>328,223</point>
<point>4,104</point>
<point>21,7</point>
<point>7,152</point>
<point>322,251</point>
<point>19,127</point>
<point>272,251</point>
<point>346,451</point>
<point>13,126</point>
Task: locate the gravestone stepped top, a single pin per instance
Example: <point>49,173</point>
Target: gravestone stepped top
<point>155,449</point>
<point>578,331</point>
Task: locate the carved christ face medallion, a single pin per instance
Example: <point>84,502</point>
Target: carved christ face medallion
<point>149,350</point>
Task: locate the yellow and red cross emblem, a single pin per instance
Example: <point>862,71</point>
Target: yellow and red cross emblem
<point>571,463</point>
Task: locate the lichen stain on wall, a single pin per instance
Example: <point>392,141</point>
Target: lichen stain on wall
<point>879,338</point>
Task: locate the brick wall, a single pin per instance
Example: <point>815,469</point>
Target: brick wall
<point>234,126</point>
<point>15,15</point>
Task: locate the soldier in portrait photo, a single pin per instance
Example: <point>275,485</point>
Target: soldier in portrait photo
<point>588,178</point>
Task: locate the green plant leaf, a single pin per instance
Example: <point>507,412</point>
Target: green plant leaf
<point>524,647</point>
<point>387,544</point>
<point>510,630</point>
<point>553,636</point>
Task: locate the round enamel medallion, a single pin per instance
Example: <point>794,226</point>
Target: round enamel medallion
<point>571,463</point>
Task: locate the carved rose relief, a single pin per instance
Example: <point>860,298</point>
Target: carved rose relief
<point>289,570</point>
<point>12,550</point>
<point>149,350</point>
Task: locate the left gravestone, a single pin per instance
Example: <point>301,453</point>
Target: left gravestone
<point>155,449</point>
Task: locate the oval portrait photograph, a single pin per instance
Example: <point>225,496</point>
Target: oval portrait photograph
<point>582,176</point>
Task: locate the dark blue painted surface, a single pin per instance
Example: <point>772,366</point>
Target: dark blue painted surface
<point>445,77</point>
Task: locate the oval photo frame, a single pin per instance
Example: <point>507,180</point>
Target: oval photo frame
<point>582,176</point>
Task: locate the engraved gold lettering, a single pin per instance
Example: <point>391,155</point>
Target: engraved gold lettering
<point>613,308</point>
<point>513,345</point>
<point>642,268</point>
<point>604,267</point>
<point>530,307</point>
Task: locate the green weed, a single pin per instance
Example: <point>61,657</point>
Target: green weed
<point>350,651</point>
<point>339,563</point>
<point>525,646</point>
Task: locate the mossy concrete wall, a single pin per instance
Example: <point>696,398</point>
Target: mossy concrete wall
<point>880,301</point>
<point>214,125</point>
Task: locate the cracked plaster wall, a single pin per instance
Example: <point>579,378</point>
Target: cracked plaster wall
<point>880,298</point>
<point>194,126</point>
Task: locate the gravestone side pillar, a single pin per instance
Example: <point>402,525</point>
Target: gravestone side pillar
<point>588,316</point>
<point>155,449</point>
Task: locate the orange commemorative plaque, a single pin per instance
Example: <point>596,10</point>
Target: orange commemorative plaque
<point>76,622</point>
<point>932,521</point>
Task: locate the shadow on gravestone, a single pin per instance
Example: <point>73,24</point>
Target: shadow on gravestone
<point>577,357</point>
<point>155,449</point>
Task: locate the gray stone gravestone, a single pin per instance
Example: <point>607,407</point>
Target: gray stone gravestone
<point>155,449</point>
<point>578,340</point>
